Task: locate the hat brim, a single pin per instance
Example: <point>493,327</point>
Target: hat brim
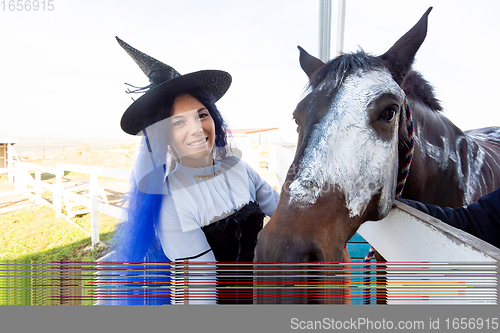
<point>139,114</point>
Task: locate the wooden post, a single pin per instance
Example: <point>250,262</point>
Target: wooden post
<point>94,210</point>
<point>10,162</point>
<point>57,192</point>
<point>38,186</point>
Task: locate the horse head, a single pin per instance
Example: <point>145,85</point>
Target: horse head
<point>352,129</point>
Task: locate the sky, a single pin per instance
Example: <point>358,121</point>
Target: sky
<point>62,73</point>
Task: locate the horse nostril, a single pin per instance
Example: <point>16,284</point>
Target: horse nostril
<point>312,253</point>
<point>311,257</point>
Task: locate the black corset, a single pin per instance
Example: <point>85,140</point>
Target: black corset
<point>234,237</point>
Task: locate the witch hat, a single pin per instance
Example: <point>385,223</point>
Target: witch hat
<point>165,82</point>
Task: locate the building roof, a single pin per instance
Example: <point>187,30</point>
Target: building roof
<point>8,140</point>
<point>251,130</point>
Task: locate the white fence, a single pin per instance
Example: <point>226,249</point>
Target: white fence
<point>407,235</point>
<point>34,187</point>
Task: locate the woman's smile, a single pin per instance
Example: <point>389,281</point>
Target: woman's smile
<point>192,132</point>
<point>199,142</point>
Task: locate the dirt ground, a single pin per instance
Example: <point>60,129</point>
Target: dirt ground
<point>121,157</point>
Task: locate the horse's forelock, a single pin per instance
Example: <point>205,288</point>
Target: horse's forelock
<point>342,66</point>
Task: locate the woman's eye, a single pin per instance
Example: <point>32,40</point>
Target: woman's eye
<point>388,114</point>
<point>178,123</point>
<point>203,113</point>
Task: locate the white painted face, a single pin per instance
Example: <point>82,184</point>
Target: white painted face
<point>345,151</point>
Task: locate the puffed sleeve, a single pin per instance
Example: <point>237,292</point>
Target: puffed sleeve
<point>180,234</point>
<point>183,241</point>
<point>265,195</point>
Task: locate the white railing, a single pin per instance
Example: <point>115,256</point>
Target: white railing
<point>25,183</point>
<point>407,235</point>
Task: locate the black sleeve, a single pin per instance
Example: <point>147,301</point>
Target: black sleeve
<point>481,219</point>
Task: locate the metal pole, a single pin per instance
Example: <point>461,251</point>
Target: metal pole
<point>325,24</point>
<point>340,27</point>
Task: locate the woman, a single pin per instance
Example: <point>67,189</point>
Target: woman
<point>190,201</point>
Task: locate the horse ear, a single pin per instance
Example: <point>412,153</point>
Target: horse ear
<point>309,63</point>
<point>400,56</point>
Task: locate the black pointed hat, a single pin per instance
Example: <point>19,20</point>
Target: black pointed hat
<point>165,81</point>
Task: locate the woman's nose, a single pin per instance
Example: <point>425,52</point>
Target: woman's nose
<point>195,127</point>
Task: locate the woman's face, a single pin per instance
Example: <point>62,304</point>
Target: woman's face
<point>192,132</point>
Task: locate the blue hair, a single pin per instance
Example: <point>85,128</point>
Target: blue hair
<point>136,242</point>
<point>136,238</point>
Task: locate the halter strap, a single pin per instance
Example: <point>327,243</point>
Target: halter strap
<point>405,169</point>
<point>402,176</point>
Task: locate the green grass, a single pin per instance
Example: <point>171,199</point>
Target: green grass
<point>47,260</point>
<point>35,233</point>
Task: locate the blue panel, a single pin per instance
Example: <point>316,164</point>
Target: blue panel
<point>358,250</point>
<point>357,239</point>
<point>358,247</point>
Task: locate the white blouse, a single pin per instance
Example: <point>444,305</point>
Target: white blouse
<point>197,198</point>
<point>194,202</point>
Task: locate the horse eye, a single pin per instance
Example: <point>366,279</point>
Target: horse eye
<point>296,123</point>
<point>387,114</point>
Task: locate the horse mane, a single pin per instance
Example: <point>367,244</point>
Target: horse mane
<point>342,66</point>
<point>416,87</point>
<point>337,69</point>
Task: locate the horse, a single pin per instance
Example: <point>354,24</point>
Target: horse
<point>354,138</point>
